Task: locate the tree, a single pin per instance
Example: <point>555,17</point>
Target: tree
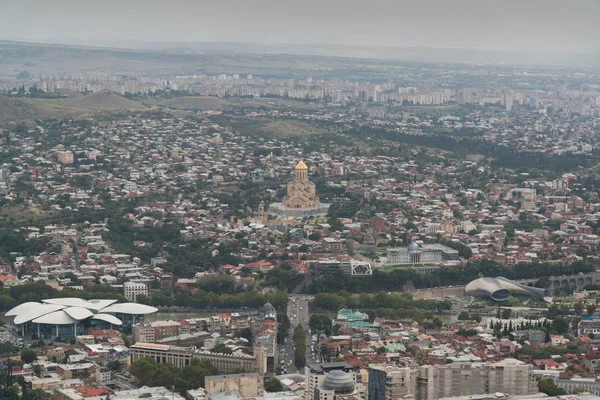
<point>28,356</point>
<point>549,387</point>
<point>246,333</point>
<point>543,282</point>
<point>125,339</point>
<point>37,370</point>
<point>464,316</point>
<point>315,236</point>
<point>300,347</point>
<point>273,385</point>
<point>578,308</point>
<point>552,311</point>
<point>506,313</point>
<point>591,309</point>
<point>283,328</point>
<point>560,325</point>
<point>34,394</point>
<point>221,349</point>
<point>114,365</point>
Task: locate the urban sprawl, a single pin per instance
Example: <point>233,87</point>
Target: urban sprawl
<point>426,232</point>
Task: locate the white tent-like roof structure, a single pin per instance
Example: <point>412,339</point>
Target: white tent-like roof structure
<point>31,313</point>
<point>71,310</point>
<point>59,317</point>
<point>78,313</point>
<point>129,308</point>
<point>108,318</point>
<point>21,308</point>
<point>95,305</point>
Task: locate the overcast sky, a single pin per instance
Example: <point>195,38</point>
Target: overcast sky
<point>540,25</point>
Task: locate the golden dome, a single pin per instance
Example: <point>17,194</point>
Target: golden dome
<point>301,165</point>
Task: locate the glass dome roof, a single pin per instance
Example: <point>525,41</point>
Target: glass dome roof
<point>339,381</point>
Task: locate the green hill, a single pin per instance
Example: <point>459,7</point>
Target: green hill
<point>19,109</point>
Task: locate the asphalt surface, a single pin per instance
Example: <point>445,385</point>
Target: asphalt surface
<point>298,313</point>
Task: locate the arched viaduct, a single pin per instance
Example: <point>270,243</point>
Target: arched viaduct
<point>567,281</point>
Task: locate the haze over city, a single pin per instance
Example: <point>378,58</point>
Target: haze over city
<point>299,200</point>
<point>513,25</point>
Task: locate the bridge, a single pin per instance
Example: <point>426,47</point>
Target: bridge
<point>567,281</point>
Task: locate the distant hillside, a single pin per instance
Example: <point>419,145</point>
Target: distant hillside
<point>14,109</point>
<point>102,101</point>
<point>195,103</point>
<point>19,109</point>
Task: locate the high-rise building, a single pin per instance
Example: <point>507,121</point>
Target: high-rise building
<point>508,101</point>
<point>391,382</point>
<point>508,376</point>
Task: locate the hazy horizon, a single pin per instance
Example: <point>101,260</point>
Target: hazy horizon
<point>548,26</point>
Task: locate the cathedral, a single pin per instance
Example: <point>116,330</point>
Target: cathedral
<point>301,192</point>
<point>301,200</point>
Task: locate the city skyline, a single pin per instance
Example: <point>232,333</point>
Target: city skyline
<point>541,26</point>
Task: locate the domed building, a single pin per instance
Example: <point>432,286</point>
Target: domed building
<point>433,254</point>
<point>413,246</point>
<point>339,385</point>
<point>301,193</point>
<point>301,199</point>
<point>269,312</point>
<point>340,382</point>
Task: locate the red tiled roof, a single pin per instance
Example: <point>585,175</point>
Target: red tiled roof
<point>95,392</point>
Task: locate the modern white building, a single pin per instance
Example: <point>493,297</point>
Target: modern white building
<point>70,316</point>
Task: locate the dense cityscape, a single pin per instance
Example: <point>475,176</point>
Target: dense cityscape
<point>206,225</point>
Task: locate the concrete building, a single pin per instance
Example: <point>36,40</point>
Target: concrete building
<point>590,385</point>
<point>391,382</point>
<point>588,325</point>
<point>142,333</point>
<point>182,356</point>
<point>315,374</point>
<point>150,332</point>
<point>65,157</point>
<point>166,281</point>
<point>426,254</point>
<point>247,385</point>
<point>509,376</point>
<point>339,385</point>
<point>133,289</point>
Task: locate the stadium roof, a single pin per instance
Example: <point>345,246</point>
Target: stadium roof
<point>69,310</point>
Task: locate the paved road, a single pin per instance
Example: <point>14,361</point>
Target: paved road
<point>297,311</point>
